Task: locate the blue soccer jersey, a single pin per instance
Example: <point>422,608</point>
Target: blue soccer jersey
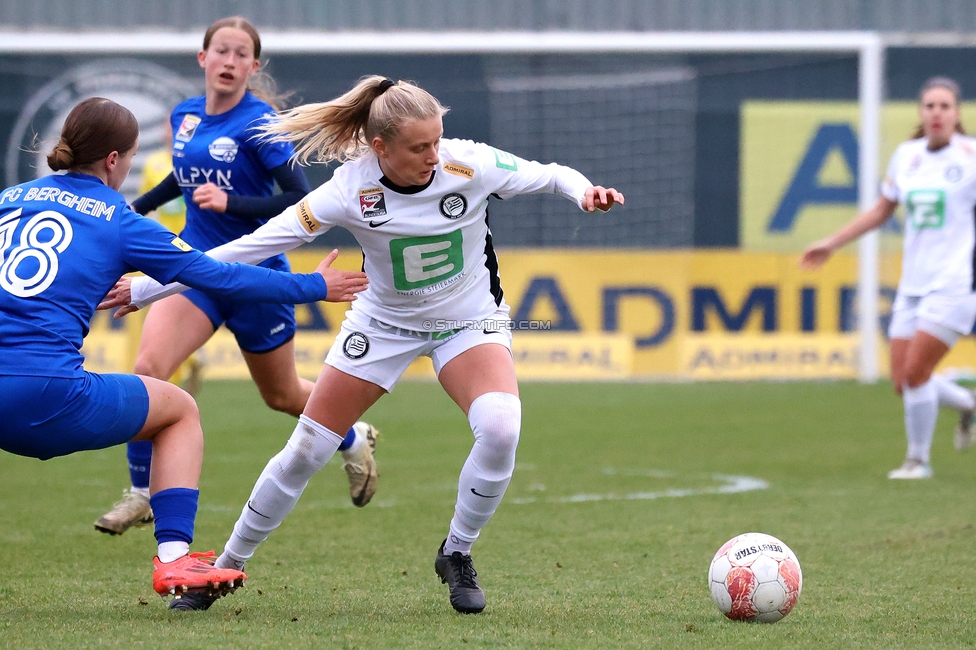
<point>223,150</point>
<point>64,242</point>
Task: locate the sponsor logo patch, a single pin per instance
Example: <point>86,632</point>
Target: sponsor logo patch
<point>309,222</point>
<point>372,203</point>
<point>953,173</point>
<point>505,160</point>
<point>356,345</point>
<point>453,205</point>
<point>223,149</point>
<point>187,128</point>
<point>182,245</point>
<point>459,170</point>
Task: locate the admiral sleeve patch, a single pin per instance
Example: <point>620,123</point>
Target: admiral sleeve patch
<point>305,216</point>
<point>459,170</point>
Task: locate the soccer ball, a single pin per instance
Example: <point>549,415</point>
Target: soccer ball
<point>755,577</point>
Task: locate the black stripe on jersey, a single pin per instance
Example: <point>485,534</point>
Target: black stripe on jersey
<point>491,263</point>
<point>972,268</point>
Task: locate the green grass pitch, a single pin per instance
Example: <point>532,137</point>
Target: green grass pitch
<point>571,559</point>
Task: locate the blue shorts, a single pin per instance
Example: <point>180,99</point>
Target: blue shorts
<point>257,326</point>
<point>44,417</point>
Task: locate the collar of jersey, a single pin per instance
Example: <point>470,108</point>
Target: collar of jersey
<point>409,189</point>
<point>87,177</point>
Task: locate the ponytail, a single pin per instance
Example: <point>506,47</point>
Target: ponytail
<point>342,129</point>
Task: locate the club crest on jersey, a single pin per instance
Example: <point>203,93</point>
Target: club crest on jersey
<point>372,202</point>
<point>187,128</point>
<point>953,173</point>
<point>223,149</point>
<point>913,165</point>
<point>453,205</point>
<point>356,345</point>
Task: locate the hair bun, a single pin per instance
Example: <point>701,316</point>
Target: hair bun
<point>61,157</point>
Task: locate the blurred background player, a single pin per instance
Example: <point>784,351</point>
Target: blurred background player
<point>417,205</point>
<point>172,214</point>
<point>934,176</point>
<point>227,179</point>
<point>66,239</point>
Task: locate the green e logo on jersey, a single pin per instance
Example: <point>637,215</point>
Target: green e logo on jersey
<point>422,261</point>
<point>926,208</point>
<point>505,160</point>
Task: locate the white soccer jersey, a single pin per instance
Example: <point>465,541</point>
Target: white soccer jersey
<point>938,190</point>
<point>427,249</point>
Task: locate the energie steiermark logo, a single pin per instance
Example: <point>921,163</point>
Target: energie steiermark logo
<point>423,262</point>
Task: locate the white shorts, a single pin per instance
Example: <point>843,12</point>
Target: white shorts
<point>946,317</point>
<point>380,353</point>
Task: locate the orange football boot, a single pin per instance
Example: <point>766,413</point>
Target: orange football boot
<point>195,572</point>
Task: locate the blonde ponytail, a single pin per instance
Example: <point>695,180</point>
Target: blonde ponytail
<point>342,129</point>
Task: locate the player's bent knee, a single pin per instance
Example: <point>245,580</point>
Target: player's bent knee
<point>282,402</point>
<point>496,420</point>
<point>151,368</point>
<point>915,377</point>
<point>308,450</point>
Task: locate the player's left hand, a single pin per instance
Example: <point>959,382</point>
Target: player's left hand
<point>210,197</point>
<point>119,296</point>
<point>601,198</point>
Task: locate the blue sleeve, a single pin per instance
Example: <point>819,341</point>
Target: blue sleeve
<point>167,190</point>
<point>149,247</point>
<point>242,282</point>
<point>294,186</point>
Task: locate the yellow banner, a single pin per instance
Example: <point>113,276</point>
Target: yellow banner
<point>798,169</point>
<point>575,357</point>
<point>773,356</point>
<point>607,314</point>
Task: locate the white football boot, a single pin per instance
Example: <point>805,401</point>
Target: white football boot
<point>360,465</point>
<point>912,468</point>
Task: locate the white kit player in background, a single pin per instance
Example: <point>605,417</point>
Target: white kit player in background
<point>417,204</point>
<point>934,176</point>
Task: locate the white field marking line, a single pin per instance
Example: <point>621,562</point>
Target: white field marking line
<point>730,484</point>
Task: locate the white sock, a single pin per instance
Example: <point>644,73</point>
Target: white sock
<point>952,394</point>
<point>354,448</point>
<point>921,412</point>
<point>170,551</point>
<point>143,491</point>
<point>278,488</point>
<point>495,420</point>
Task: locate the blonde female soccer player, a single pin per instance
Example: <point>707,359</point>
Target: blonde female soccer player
<point>934,176</point>
<point>416,202</point>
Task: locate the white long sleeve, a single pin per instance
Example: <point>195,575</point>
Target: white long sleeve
<point>279,235</point>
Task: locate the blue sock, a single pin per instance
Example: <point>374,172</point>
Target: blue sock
<point>175,510</point>
<point>348,440</point>
<point>140,459</point>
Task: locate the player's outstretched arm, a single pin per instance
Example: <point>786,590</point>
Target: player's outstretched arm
<point>601,198</point>
<point>343,285</point>
<point>820,251</point>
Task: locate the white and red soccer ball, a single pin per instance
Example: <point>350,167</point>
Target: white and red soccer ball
<point>755,577</point>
